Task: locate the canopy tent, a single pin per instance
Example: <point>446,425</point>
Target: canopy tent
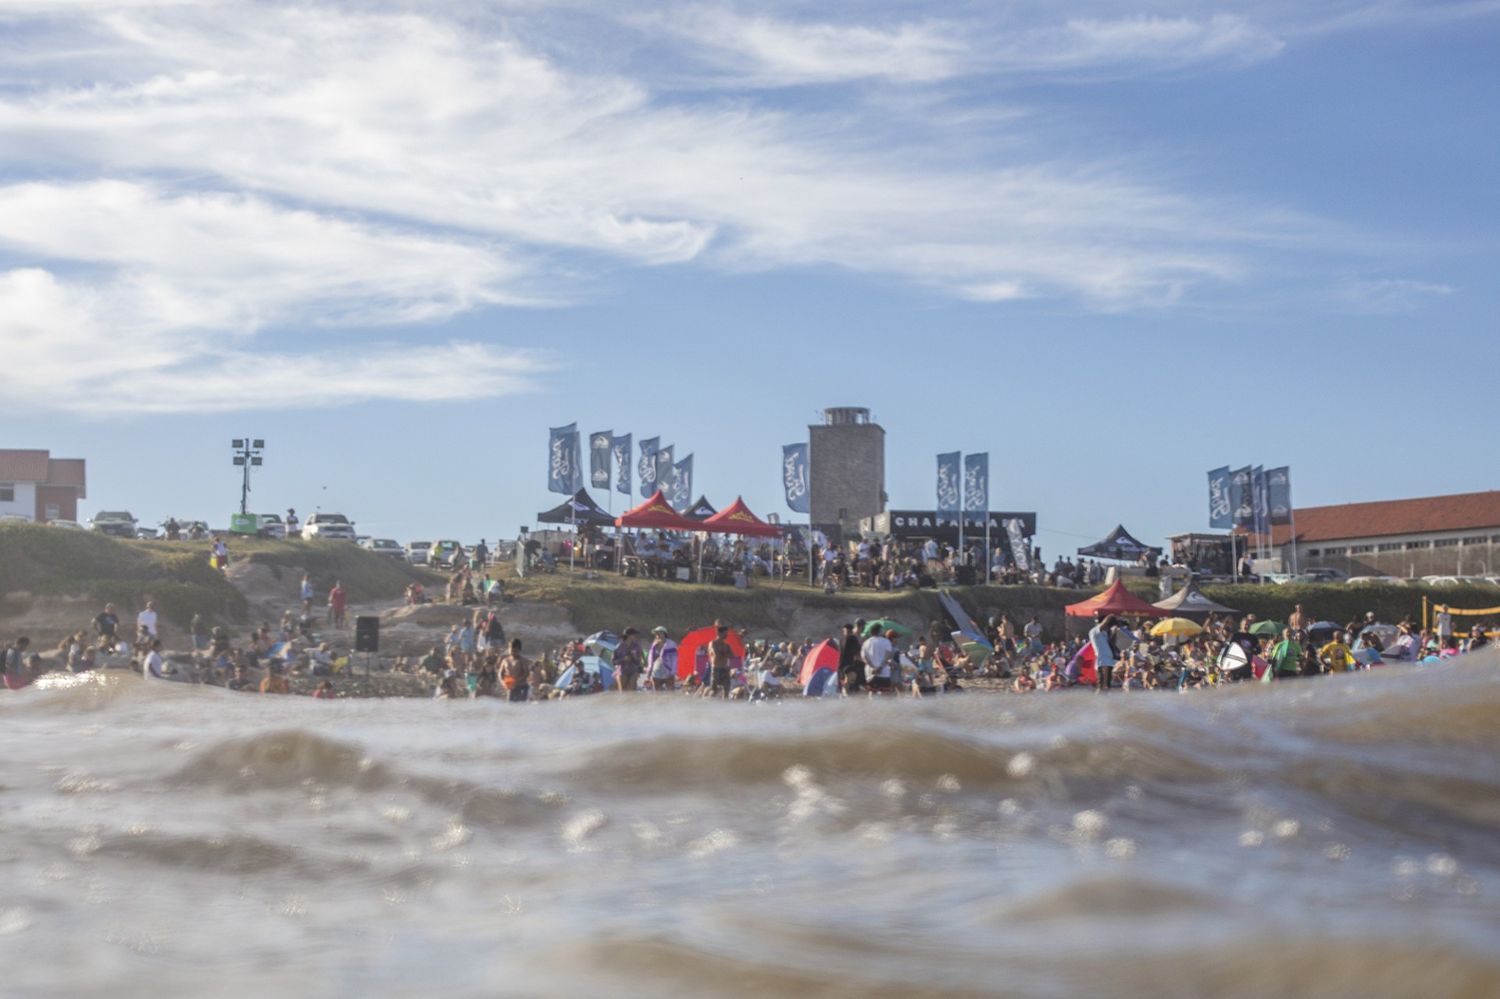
<point>701,510</point>
<point>1190,600</point>
<point>737,519</point>
<point>579,509</point>
<point>692,652</point>
<point>1116,600</point>
<point>1119,546</point>
<point>656,514</point>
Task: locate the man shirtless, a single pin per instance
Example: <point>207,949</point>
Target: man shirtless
<point>720,655</point>
<point>515,672</point>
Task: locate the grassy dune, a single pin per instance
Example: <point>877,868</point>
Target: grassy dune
<point>49,561</point>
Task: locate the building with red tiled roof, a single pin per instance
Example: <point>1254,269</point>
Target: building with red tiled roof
<point>1453,535</point>
<point>39,487</point>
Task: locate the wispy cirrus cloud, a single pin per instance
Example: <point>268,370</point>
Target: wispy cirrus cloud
<point>185,179</point>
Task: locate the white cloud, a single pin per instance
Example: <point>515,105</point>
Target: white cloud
<point>217,174</point>
<point>1391,295</point>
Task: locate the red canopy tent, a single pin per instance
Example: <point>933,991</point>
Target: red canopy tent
<point>656,514</point>
<point>1116,600</point>
<point>737,519</point>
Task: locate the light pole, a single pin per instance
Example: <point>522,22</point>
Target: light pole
<point>246,456</point>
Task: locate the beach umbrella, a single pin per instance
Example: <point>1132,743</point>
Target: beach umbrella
<point>886,624</point>
<point>823,656</point>
<point>1176,627</point>
<point>1265,628</point>
<point>1324,628</point>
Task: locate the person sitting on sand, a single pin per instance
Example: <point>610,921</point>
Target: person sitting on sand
<point>448,688</point>
<point>324,692</point>
<point>241,679</point>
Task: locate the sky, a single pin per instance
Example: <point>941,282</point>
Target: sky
<point>1112,244</point>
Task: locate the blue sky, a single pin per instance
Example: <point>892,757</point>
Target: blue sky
<point>1113,244</point>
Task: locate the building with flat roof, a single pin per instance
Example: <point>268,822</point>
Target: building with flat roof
<point>846,469</point>
<point>1457,535</point>
<point>39,487</point>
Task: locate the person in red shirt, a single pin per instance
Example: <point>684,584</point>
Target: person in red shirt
<point>338,600</point>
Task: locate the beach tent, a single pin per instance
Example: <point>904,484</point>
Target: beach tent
<point>737,519</point>
<point>1190,600</point>
<point>823,657</point>
<point>701,510</point>
<point>591,665</point>
<point>1119,546</point>
<point>579,509</point>
<point>1116,600</point>
<point>656,514</point>
<point>692,652</point>
<point>966,634</point>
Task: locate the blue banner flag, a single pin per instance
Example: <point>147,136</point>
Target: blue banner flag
<point>682,484</point>
<point>1220,512</point>
<point>1241,497</point>
<point>949,490</point>
<point>599,455</point>
<point>563,474</point>
<point>794,478</point>
<point>977,482</point>
<point>621,448</point>
<point>1262,520</point>
<point>664,471</point>
<point>1279,494</point>
<point>646,468</point>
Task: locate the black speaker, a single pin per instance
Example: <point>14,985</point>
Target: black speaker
<point>966,575</point>
<point>367,634</point>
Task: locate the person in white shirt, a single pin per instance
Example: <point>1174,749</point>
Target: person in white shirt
<point>153,667</point>
<point>145,621</point>
<point>877,652</point>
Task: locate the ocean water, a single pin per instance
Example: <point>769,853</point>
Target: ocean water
<point>1327,838</point>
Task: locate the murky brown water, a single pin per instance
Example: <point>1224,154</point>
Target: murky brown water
<point>1336,837</point>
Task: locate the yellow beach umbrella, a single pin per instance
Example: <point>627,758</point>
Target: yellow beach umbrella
<point>1177,627</point>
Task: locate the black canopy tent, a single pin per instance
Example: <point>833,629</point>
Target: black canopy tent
<point>1119,546</point>
<point>701,510</point>
<point>580,510</point>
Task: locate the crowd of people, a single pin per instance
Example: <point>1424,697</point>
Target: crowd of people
<point>478,659</point>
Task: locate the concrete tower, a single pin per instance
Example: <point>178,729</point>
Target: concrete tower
<point>846,455</point>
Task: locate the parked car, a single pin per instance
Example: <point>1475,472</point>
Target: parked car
<point>115,523</point>
<point>147,534</point>
<point>418,551</point>
<point>14,518</point>
<point>270,525</point>
<point>328,527</point>
<point>442,552</point>
<point>1375,581</point>
<point>71,525</point>
<point>384,546</point>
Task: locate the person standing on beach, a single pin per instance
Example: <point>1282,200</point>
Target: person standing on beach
<point>1443,624</point>
<point>876,653</point>
<point>720,658</point>
<point>145,621</point>
<point>661,660</point>
<point>628,661</point>
<point>106,625</point>
<point>306,593</point>
<point>1297,619</point>
<point>851,666</point>
<point>1286,657</point>
<point>515,673</point>
<point>15,664</point>
<point>338,602</point>
<point>1101,640</point>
